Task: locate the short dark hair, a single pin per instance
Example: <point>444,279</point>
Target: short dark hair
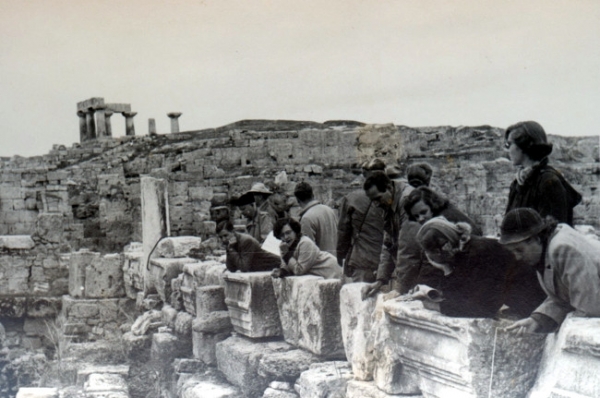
<point>436,202</point>
<point>282,222</point>
<point>227,225</point>
<point>303,191</point>
<point>531,138</point>
<point>378,179</point>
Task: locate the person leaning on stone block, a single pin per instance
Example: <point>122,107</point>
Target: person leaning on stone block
<point>567,263</point>
<point>244,253</point>
<point>300,255</point>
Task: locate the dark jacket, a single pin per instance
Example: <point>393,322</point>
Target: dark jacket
<point>547,192</point>
<point>360,231</point>
<point>412,267</point>
<point>475,288</point>
<point>247,256</point>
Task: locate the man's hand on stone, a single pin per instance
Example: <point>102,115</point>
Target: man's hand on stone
<point>527,325</point>
<point>371,289</point>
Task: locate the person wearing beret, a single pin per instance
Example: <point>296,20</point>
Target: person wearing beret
<point>537,185</point>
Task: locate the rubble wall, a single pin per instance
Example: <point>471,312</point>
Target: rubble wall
<point>88,195</point>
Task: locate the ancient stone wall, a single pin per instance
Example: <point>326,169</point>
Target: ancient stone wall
<point>88,195</point>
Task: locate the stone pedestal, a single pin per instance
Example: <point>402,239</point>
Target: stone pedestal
<point>251,303</point>
<point>162,270</point>
<point>570,365</point>
<point>238,359</point>
<point>422,351</point>
<point>309,309</point>
<point>357,319</point>
<point>155,222</point>
<point>327,379</point>
<point>95,276</point>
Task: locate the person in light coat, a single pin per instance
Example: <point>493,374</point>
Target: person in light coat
<point>319,221</point>
<point>300,255</point>
<point>567,262</point>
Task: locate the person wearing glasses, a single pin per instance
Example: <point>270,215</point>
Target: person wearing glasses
<point>537,185</point>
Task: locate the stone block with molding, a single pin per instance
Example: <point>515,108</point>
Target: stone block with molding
<point>251,303</point>
<point>571,361</point>
<point>420,351</point>
<point>309,309</point>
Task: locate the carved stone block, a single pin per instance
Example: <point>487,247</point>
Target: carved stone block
<point>104,277</point>
<point>251,303</point>
<point>325,379</point>
<point>162,270</point>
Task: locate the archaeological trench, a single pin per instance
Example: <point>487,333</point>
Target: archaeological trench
<point>92,306</point>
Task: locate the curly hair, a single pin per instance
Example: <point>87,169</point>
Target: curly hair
<point>436,202</point>
<point>282,222</point>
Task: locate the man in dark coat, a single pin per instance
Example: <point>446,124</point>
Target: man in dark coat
<point>244,253</point>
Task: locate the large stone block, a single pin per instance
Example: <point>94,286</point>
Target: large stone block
<point>251,303</point>
<point>238,359</point>
<point>104,277</point>
<point>176,247</point>
<point>571,361</point>
<point>204,345</point>
<point>37,392</point>
<point>286,365</point>
<point>365,389</point>
<point>324,380</point>
<point>16,242</point>
<point>106,385</point>
<point>279,389</point>
<point>203,387</point>
<point>168,346</point>
<point>309,309</point>
<point>357,318</point>
<point>422,351</point>
<point>78,264</point>
<point>162,270</point>
<point>210,299</point>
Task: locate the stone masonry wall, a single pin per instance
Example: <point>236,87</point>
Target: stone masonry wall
<point>89,195</point>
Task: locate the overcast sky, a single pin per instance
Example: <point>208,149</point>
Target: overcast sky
<point>416,63</point>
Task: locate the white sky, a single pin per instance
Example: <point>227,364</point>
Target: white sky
<point>416,63</point>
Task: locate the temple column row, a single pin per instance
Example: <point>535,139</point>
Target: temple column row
<point>95,123</point>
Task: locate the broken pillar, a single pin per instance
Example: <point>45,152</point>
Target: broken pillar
<point>83,135</point>
<point>129,127</point>
<point>151,126</point>
<point>155,222</point>
<point>309,310</point>
<point>251,303</point>
<point>174,116</point>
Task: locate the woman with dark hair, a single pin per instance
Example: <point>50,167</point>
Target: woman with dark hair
<point>300,255</point>
<point>537,185</point>
<point>474,268</point>
<point>568,260</point>
<point>422,204</point>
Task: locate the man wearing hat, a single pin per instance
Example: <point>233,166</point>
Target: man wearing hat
<point>259,216</point>
<point>360,231</point>
<point>567,263</point>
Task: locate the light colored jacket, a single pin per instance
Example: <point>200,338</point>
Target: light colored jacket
<point>571,275</point>
<point>319,223</point>
<point>308,259</point>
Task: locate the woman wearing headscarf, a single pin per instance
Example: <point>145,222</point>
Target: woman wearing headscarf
<point>474,268</point>
<point>300,255</point>
<point>537,185</point>
<point>567,263</point>
<point>421,205</point>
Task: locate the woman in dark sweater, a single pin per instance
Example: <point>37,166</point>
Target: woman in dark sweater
<point>475,268</point>
<point>537,186</point>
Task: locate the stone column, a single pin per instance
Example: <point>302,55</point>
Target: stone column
<point>107,115</point>
<point>174,121</point>
<point>151,126</point>
<point>100,122</point>
<point>129,127</point>
<point>82,126</point>
<point>155,220</point>
<point>90,125</point>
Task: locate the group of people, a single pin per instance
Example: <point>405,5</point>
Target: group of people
<point>400,234</point>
